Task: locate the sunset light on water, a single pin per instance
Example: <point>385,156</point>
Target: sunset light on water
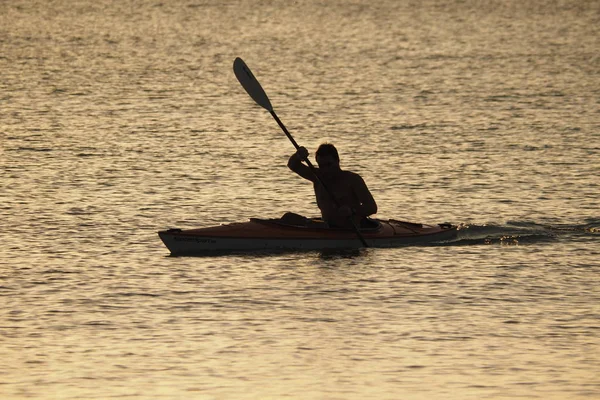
<point>122,119</point>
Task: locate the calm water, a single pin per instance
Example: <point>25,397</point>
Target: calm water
<point>121,118</point>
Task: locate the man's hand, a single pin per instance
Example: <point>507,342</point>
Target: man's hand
<point>302,153</point>
<point>296,165</point>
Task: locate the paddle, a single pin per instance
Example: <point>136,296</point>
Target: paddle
<point>251,85</point>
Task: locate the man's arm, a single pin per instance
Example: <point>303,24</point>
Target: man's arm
<point>295,164</point>
<point>368,206</point>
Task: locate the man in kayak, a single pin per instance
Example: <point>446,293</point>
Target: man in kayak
<point>352,198</point>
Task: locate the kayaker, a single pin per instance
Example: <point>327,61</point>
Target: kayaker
<point>352,197</point>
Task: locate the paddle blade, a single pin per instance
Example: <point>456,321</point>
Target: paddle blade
<point>249,82</point>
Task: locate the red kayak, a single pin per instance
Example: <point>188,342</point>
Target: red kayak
<point>300,234</point>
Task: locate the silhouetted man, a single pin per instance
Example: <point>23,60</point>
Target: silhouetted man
<point>352,197</point>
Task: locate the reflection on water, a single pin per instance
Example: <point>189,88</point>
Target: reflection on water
<point>119,119</point>
<point>325,254</point>
<point>340,254</point>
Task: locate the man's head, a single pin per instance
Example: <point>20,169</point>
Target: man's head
<point>327,149</point>
<point>328,158</point>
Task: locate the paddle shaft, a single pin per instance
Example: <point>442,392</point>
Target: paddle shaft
<point>288,134</point>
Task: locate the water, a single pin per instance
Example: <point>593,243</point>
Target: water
<point>118,119</point>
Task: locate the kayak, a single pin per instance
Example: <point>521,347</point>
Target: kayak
<point>301,234</point>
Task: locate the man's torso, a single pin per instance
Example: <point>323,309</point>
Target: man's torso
<point>342,188</point>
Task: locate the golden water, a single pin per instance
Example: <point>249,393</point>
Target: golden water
<point>121,118</point>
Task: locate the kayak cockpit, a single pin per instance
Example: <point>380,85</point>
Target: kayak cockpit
<point>297,221</point>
